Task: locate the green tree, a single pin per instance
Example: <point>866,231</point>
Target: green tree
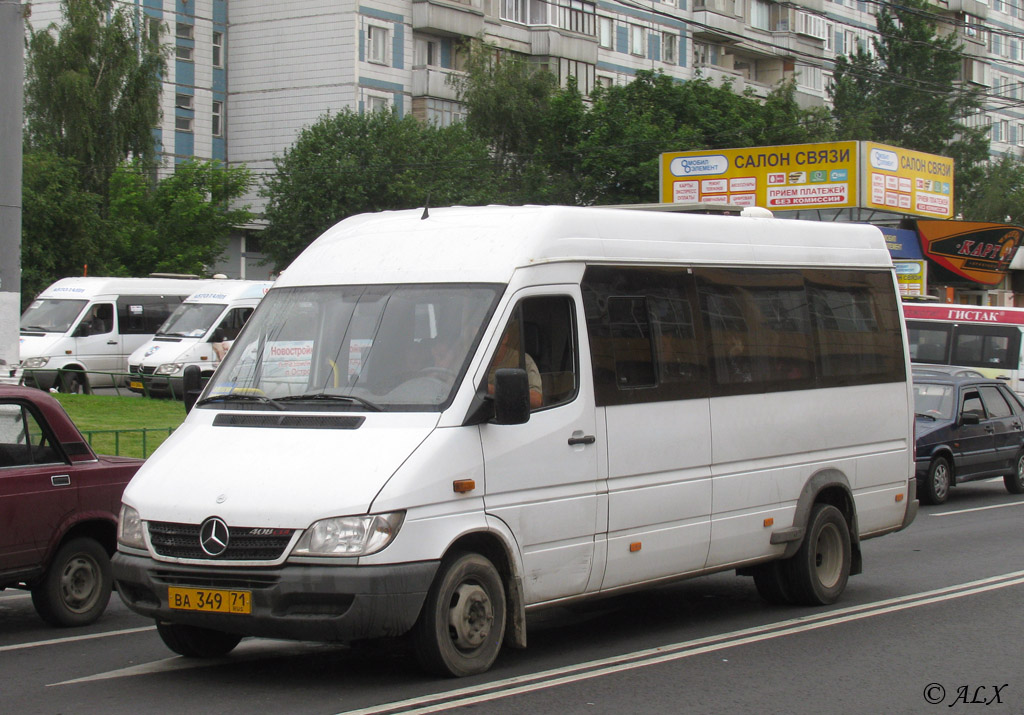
<point>179,225</point>
<point>60,224</point>
<point>349,163</point>
<point>998,194</point>
<point>92,88</point>
<point>908,93</point>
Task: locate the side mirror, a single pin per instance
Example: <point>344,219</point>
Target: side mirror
<point>511,396</point>
<point>970,418</point>
<point>84,329</point>
<point>191,386</point>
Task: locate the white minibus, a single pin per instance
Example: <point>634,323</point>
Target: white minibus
<point>79,332</point>
<point>985,338</point>
<point>202,325</point>
<point>437,422</point>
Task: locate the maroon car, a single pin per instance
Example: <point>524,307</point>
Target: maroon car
<point>58,509</point>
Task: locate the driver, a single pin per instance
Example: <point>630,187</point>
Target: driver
<point>508,356</point>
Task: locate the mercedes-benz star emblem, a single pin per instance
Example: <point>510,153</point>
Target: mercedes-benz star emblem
<point>213,536</point>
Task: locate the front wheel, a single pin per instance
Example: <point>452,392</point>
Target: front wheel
<point>196,642</point>
<point>462,624</point>
<point>936,486</point>
<point>1015,482</point>
<point>73,382</point>
<point>76,587</point>
<point>820,568</point>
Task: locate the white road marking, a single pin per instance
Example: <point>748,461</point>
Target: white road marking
<point>72,639</point>
<point>639,659</point>
<point>977,508</point>
<point>254,649</point>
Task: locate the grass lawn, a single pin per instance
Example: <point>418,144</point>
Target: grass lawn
<point>101,414</point>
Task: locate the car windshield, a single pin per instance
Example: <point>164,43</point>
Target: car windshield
<point>365,348</point>
<point>51,316</point>
<point>191,320</point>
<point>934,400</point>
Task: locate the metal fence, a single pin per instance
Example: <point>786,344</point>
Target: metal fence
<point>131,440</point>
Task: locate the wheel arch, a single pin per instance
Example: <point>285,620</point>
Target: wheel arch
<point>828,486</point>
<point>102,531</point>
<point>946,453</point>
<point>496,550</point>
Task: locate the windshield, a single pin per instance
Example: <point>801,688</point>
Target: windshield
<point>380,347</point>
<point>936,401</point>
<point>191,320</point>
<point>51,316</point>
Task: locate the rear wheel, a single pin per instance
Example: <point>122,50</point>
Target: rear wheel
<point>936,486</point>
<point>772,582</point>
<point>463,621</point>
<point>820,568</point>
<point>196,642</point>
<point>75,589</point>
<point>1015,482</point>
<point>72,382</point>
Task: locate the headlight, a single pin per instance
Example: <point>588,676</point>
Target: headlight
<point>129,528</point>
<point>169,368</point>
<point>349,535</point>
<point>35,362</point>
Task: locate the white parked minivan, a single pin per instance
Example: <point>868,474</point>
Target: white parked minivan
<point>436,423</point>
<point>205,322</point>
<point>79,332</point>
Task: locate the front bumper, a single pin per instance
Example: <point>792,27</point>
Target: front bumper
<point>314,602</point>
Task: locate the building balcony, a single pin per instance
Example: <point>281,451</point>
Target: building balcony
<point>551,42</point>
<point>447,17</point>
<point>433,82</point>
<point>712,25</point>
<point>971,7</point>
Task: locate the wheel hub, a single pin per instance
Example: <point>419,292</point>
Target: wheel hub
<point>78,584</point>
<point>470,616</point>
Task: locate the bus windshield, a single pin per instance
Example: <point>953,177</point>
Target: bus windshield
<point>387,347</point>
<point>191,320</point>
<point>51,316</point>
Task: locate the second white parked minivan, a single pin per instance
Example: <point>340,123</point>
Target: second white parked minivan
<point>435,424</point>
<point>202,325</point>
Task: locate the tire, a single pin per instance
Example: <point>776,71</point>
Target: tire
<point>1015,482</point>
<point>935,489</point>
<point>819,570</point>
<point>772,582</point>
<point>73,382</point>
<point>462,625</point>
<point>196,642</point>
<point>76,587</point>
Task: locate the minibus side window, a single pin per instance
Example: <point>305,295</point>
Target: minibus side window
<point>929,342</point>
<point>144,314</point>
<point>541,339</point>
<point>985,346</point>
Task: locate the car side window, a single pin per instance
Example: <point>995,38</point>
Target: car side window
<point>995,402</point>
<point>23,442</point>
<point>972,405</point>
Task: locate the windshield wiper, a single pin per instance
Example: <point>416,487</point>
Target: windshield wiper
<point>922,414</point>
<point>42,328</point>
<point>225,397</point>
<point>313,396</point>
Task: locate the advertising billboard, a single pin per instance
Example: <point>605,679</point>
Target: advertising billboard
<point>831,175</point>
<point>980,252</point>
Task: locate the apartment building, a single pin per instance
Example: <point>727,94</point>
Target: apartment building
<point>245,76</point>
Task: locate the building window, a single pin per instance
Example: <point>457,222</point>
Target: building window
<point>377,44</point>
<point>636,40</point>
<point>183,53</point>
<point>443,113</point>
<point>184,101</point>
<point>809,77</point>
<point>760,14</point>
<point>376,104</point>
<point>605,32</point>
<point>428,53</point>
<point>513,10</point>
<point>183,124</point>
<point>218,118</point>
<point>154,27</point>
<point>218,49</point>
<point>605,81</point>
<point>669,48</point>
<point>184,31</point>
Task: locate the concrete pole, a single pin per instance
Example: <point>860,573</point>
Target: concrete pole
<point>12,79</point>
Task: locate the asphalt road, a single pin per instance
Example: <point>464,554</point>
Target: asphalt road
<point>933,625</point>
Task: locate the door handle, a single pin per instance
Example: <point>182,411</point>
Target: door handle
<point>111,342</point>
<point>60,480</point>
<point>990,429</point>
<point>582,439</point>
